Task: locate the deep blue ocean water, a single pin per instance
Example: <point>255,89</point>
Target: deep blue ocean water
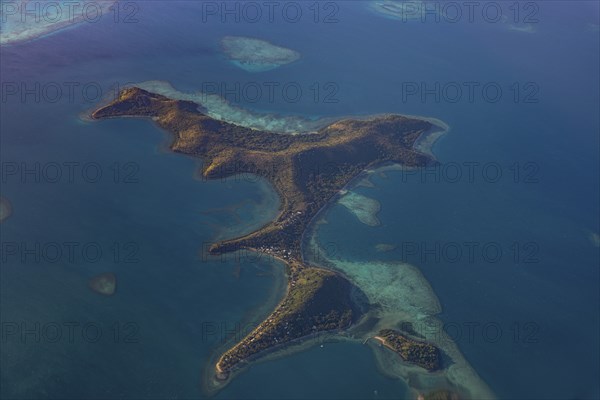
<point>176,306</point>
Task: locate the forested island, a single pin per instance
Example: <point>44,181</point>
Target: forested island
<point>307,171</point>
<point>423,354</point>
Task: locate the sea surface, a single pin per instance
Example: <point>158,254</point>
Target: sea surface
<point>526,319</point>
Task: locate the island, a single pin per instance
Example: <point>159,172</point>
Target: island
<point>308,171</point>
<point>423,354</point>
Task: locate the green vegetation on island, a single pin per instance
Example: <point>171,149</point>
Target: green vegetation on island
<point>423,354</point>
<point>317,300</point>
<point>307,171</point>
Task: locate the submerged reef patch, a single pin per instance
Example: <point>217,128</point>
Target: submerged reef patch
<point>362,207</point>
<point>105,284</point>
<point>24,20</point>
<point>218,108</point>
<point>255,55</point>
<point>400,296</point>
<point>5,209</point>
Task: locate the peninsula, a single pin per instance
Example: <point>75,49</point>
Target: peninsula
<point>307,171</point>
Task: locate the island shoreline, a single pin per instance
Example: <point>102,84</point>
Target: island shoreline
<point>384,139</point>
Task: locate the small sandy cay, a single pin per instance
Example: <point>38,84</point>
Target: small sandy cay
<point>255,55</point>
<point>105,284</point>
